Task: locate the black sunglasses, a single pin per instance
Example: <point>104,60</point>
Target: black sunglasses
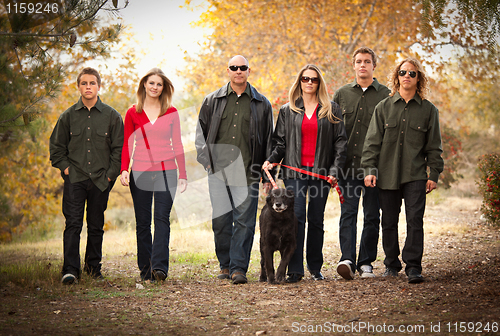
<point>306,79</point>
<point>412,74</point>
<point>241,67</point>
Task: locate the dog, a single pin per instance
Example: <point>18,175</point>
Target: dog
<point>278,232</point>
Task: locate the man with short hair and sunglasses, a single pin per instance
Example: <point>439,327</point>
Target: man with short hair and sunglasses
<point>403,143</point>
<point>233,139</point>
<point>357,101</point>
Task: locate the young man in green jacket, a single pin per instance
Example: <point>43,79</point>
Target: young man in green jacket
<point>86,147</point>
<point>402,143</point>
<point>357,101</point>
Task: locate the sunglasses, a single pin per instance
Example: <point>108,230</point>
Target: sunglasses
<point>236,67</point>
<point>412,74</point>
<point>305,79</point>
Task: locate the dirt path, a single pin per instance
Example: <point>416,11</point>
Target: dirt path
<point>461,295</point>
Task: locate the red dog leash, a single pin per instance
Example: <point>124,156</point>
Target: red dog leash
<point>326,178</point>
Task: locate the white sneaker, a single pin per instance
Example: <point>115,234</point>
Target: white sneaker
<point>366,271</point>
<point>345,270</point>
<point>69,279</point>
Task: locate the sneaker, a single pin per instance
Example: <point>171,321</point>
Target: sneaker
<point>159,275</point>
<point>366,271</point>
<point>316,275</point>
<point>345,270</point>
<point>224,274</point>
<point>69,279</point>
<point>414,276</point>
<point>239,278</point>
<point>390,272</point>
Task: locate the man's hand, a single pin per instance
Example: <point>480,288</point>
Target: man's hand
<point>66,171</point>
<point>430,186</point>
<point>267,165</point>
<point>370,181</point>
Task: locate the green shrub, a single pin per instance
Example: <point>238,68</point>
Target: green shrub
<point>489,186</point>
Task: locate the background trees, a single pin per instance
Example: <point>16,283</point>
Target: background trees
<point>33,67</point>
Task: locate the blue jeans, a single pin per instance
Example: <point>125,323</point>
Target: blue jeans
<point>352,190</point>
<point>153,254</point>
<point>234,211</point>
<point>73,206</point>
<point>318,195</point>
<point>390,202</point>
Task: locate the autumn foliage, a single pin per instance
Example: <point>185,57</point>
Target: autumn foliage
<point>489,186</point>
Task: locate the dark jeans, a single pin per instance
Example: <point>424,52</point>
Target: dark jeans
<point>153,254</point>
<point>352,189</point>
<point>234,212</point>
<point>318,195</point>
<point>73,206</point>
<point>390,202</point>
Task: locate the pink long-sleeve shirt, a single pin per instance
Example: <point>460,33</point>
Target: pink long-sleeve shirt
<point>158,146</point>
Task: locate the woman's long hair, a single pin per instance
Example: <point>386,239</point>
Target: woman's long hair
<point>321,93</point>
<point>422,83</point>
<point>166,94</point>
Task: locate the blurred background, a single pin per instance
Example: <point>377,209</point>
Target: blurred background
<point>192,41</point>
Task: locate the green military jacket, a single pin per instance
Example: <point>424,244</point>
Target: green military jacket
<point>357,109</point>
<point>403,140</point>
<point>89,142</point>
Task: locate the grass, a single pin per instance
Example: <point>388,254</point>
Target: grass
<point>192,256</point>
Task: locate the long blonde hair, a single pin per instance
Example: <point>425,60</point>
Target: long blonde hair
<point>322,94</point>
<point>166,94</point>
<point>422,84</point>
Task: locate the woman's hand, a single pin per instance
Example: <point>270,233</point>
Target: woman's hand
<point>125,178</point>
<point>333,179</point>
<point>182,185</point>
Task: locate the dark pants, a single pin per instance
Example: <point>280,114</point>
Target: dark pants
<point>390,203</point>
<point>234,213</point>
<point>153,254</point>
<point>317,192</point>
<point>352,189</point>
<point>74,197</point>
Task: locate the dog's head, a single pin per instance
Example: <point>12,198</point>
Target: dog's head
<point>280,199</point>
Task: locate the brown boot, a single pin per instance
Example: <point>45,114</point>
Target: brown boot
<point>224,274</point>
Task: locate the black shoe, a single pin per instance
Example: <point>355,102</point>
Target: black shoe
<point>390,272</point>
<point>316,275</point>
<point>224,274</point>
<point>293,278</point>
<point>239,278</point>
<point>159,275</point>
<point>414,276</point>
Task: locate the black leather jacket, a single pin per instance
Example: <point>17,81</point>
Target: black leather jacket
<point>260,133</point>
<point>331,144</point>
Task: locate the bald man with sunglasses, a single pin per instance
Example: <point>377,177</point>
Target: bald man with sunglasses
<point>233,139</point>
<point>402,157</point>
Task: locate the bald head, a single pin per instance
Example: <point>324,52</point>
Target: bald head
<point>238,59</point>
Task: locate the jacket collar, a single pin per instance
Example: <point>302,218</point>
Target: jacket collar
<point>398,97</point>
<point>254,94</point>
<point>376,85</point>
<point>98,105</point>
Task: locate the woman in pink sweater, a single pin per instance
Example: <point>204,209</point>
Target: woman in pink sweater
<point>153,144</point>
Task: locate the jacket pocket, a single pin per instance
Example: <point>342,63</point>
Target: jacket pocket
<point>390,131</point>
<point>416,132</point>
<point>75,141</point>
<point>102,140</point>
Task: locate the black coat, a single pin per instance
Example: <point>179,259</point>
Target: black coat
<point>260,133</point>
<point>331,144</point>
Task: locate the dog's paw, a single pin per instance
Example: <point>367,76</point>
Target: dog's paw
<point>262,279</point>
